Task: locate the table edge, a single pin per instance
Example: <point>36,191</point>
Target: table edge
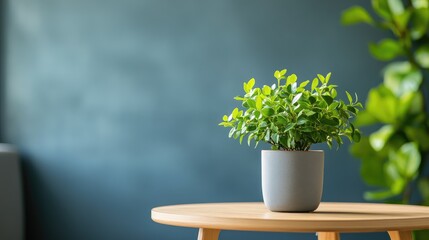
<point>276,225</point>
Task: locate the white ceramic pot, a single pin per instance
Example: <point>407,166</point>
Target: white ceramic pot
<point>292,181</point>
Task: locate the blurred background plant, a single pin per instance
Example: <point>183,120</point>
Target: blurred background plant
<point>395,155</point>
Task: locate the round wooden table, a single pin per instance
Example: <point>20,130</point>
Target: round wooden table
<point>328,220</point>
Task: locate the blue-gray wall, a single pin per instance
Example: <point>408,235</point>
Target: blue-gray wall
<point>115,104</point>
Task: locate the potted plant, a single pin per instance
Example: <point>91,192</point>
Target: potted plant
<point>291,118</point>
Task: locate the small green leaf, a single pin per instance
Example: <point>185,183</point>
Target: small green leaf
<point>245,88</point>
<point>251,103</point>
<point>309,112</point>
<point>321,77</point>
<point>275,137</point>
<point>289,126</point>
<point>249,139</point>
<point>356,136</point>
<point>225,118</point>
<point>419,21</point>
<point>314,84</point>
<point>266,90</point>
<point>349,97</point>
<point>281,120</point>
<point>382,104</point>
<point>296,98</point>
<point>280,74</point>
<point>356,15</point>
<point>251,128</point>
<point>303,84</point>
<point>352,109</point>
<point>379,138</point>
<point>386,49</point>
<point>267,136</point>
<point>291,79</point>
<point>235,113</point>
<point>407,160</point>
<point>251,83</point>
<point>422,56</point>
<point>396,6</point>
<point>329,121</point>
<point>258,103</point>
<point>420,4</point>
<point>328,99</point>
<point>402,77</point>
<point>267,111</point>
<point>381,7</point>
<point>241,138</point>
<point>418,134</point>
<point>231,132</point>
<point>334,93</point>
<point>302,121</point>
<point>327,78</point>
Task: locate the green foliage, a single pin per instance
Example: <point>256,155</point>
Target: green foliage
<point>290,117</point>
<point>355,15</point>
<point>394,156</point>
<point>386,49</point>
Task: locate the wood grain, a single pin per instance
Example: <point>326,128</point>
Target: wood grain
<point>329,217</point>
<point>208,234</point>
<point>400,235</point>
<point>328,236</point>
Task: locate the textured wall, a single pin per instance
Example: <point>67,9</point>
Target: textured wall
<point>115,104</point>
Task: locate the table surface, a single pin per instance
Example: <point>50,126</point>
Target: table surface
<point>329,217</point>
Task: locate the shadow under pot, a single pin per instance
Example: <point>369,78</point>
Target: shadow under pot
<point>292,181</point>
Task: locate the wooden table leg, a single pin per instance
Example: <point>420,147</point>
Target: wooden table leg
<point>400,235</point>
<point>328,236</point>
<point>208,234</point>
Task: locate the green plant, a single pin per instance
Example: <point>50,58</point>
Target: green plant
<point>290,117</point>
<point>394,156</point>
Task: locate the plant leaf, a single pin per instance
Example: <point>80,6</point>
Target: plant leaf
<point>291,79</point>
<point>386,49</point>
<point>419,21</point>
<point>321,77</point>
<point>314,84</point>
<point>401,77</point>
<point>258,103</point>
<point>354,15</point>
<point>303,84</point>
<point>379,139</point>
<point>422,56</point>
<point>407,160</point>
<point>349,97</point>
<point>328,99</point>
<point>381,7</point>
<point>267,111</point>
<point>327,78</point>
<point>251,83</point>
<point>266,90</point>
<point>296,98</point>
